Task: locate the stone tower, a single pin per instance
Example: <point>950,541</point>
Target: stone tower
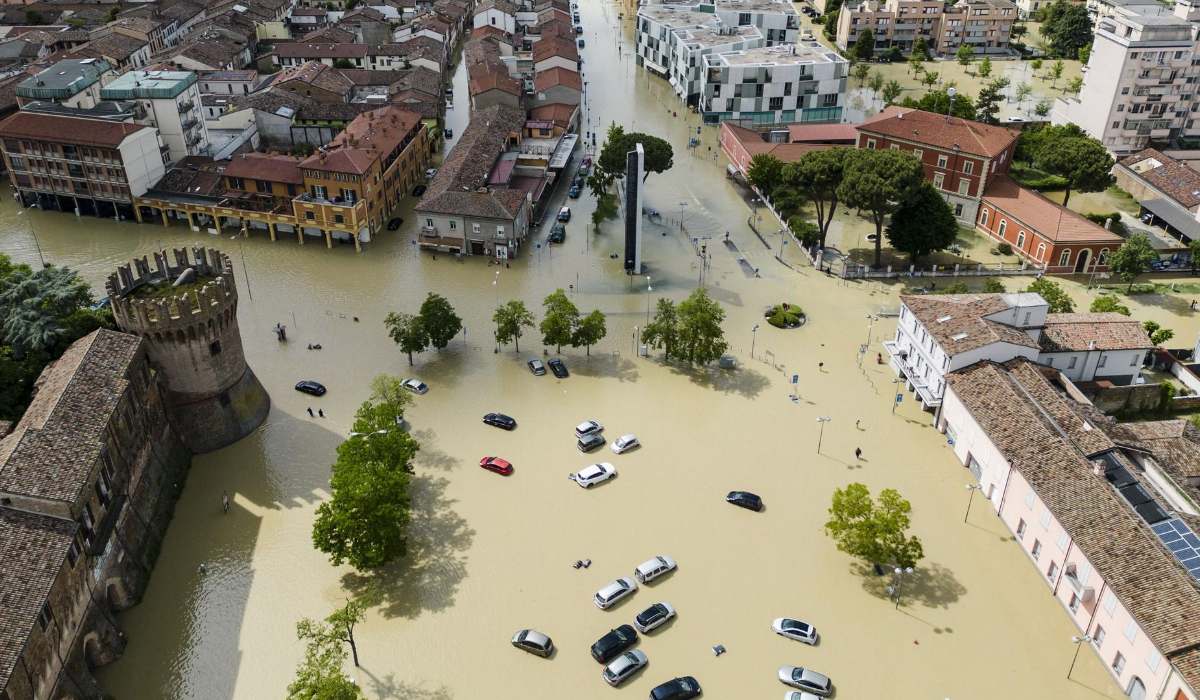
<point>193,339</point>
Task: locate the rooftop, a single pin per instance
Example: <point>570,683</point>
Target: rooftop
<point>717,34</point>
<point>67,129</point>
<point>370,136</point>
<point>237,75</point>
<point>1092,331</point>
<point>315,74</point>
<point>959,322</point>
<point>139,84</point>
<point>65,79</point>
<point>1172,177</point>
<point>671,17</point>
<point>115,46</point>
<point>755,145</point>
<point>794,54</point>
<point>1048,219</point>
<point>460,184</point>
<point>937,131</point>
<point>557,76</point>
<point>264,167</point>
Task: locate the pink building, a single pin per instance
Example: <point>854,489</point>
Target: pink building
<point>1106,513</point>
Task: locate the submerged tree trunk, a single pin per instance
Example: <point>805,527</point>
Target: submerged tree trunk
<point>410,360</point>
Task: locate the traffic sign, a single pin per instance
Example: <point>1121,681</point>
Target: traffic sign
<point>899,398</point>
<point>795,379</point>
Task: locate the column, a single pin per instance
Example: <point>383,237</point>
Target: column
<point>163,212</point>
<point>245,228</point>
<point>271,229</point>
<point>357,245</point>
<point>328,238</point>
<point>300,233</point>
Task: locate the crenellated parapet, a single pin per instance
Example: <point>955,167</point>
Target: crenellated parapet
<point>169,310</point>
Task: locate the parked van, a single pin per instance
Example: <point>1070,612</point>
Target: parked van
<point>650,570</point>
<point>564,214</point>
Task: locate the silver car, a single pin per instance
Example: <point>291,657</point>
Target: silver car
<point>416,386</point>
<point>806,679</point>
<point>608,596</point>
<point>797,695</point>
<point>625,443</point>
<point>625,666</point>
<point>588,427</point>
<point>533,642</point>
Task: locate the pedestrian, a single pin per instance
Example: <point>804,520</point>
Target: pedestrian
<point>321,412</point>
<point>310,413</point>
<point>821,366</point>
<point>856,425</point>
<point>1193,304</point>
<point>225,502</point>
<point>858,453</point>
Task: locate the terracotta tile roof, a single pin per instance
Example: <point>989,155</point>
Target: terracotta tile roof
<point>316,74</point>
<point>555,46</point>
<point>1108,331</point>
<point>330,35</point>
<point>269,168</point>
<point>115,46</point>
<point>362,77</point>
<point>489,31</point>
<point>358,14</point>
<point>310,52</point>
<point>486,48</point>
<point>557,76</point>
<point>183,11</point>
<point>1049,219</point>
<point>62,128</point>
<point>560,114</point>
<point>1172,177</point>
<point>753,143</point>
<point>502,5</point>
<point>35,547</point>
<point>51,452</point>
<point>958,324</point>
<point>369,137</point>
<point>1120,546</point>
<point>494,79</point>
<point>934,130</point>
<point>459,186</point>
<point>801,133</point>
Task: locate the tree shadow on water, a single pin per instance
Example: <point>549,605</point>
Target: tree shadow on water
<point>429,455</point>
<point>742,381</point>
<point>427,579</point>
<point>930,584</point>
<point>616,367</point>
<point>389,688</point>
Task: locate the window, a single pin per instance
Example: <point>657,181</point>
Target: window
<point>918,153</point>
<point>776,104</point>
<point>983,217</point>
<point>1064,258</point>
<point>351,196</point>
<point>1003,227</point>
<point>1045,517</point>
<point>44,617</point>
<point>942,161</point>
<point>1133,361</point>
<point>262,186</point>
<point>1052,572</point>
<point>475,229</point>
<point>1020,529</point>
<point>319,192</point>
<point>958,210</point>
<point>453,224</point>
<point>938,179</point>
<point>1071,363</point>
<point>1037,550</point>
<point>74,552</point>
<point>895,146</point>
<point>1029,499</point>
<point>1103,259</point>
<point>1049,361</point>
<point>964,186</point>
<point>968,167</point>
<point>235,183</point>
<point>87,524</point>
<point>1131,631</point>
<point>1098,636</point>
<point>309,215</point>
<point>1041,251</point>
<point>1063,539</point>
<point>1102,362</point>
<point>1152,660</point>
<point>828,100</point>
<point>1118,664</point>
<point>1110,603</point>
<point>214,348</point>
<point>1073,606</point>
<point>870,143</point>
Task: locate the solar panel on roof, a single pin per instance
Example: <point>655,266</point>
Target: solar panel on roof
<point>1151,512</point>
<point>1135,494</point>
<point>1180,539</point>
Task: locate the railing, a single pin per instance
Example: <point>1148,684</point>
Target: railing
<point>189,123</point>
<point>185,107</point>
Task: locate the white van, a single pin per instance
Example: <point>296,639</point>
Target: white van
<point>650,570</point>
<point>564,214</point>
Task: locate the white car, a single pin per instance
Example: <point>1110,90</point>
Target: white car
<point>653,617</point>
<point>806,679</point>
<point>416,386</point>
<point>647,571</point>
<point>797,695</point>
<point>624,666</point>
<point>795,629</point>
<point>625,443</point>
<point>590,476</point>
<point>588,427</point>
<point>606,597</point>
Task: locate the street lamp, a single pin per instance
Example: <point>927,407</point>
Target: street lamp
<point>821,436</point>
<point>496,302</point>
<point>900,582</point>
<point>896,398</point>
<point>635,339</point>
<point>753,337</point>
<point>242,254</point>
<point>1076,640</point>
<point>681,206</point>
<point>376,432</point>
<point>648,290</point>
<point>33,233</point>
<point>972,488</point>
<point>629,271</point>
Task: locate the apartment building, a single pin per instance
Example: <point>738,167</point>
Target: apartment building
<point>803,82</point>
<point>959,156</point>
<point>985,25</point>
<point>79,163</point>
<point>169,101</point>
<point>1105,512</point>
<point>71,82</point>
<point>1141,80</point>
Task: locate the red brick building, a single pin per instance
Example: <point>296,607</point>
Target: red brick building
<point>960,156</point>
<point>1044,232</point>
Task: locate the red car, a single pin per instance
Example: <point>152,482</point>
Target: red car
<point>495,464</point>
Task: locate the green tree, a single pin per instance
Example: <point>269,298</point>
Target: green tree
<point>861,71</point>
<point>303,149</point>
<point>958,287</point>
<point>558,322</point>
<point>891,90</point>
<point>1132,258</point>
<point>922,224</point>
<point>343,64</point>
<point>113,12</point>
<point>985,67</point>
<point>831,21</point>
<point>1056,72</point>
<point>1085,53</point>
<point>938,101</point>
<point>1081,161</point>
<point>589,330</point>
<point>930,78</point>
<point>817,176</point>
<point>877,182</point>
<point>33,17</point>
<point>876,82</point>
<point>408,332</point>
<point>659,156</point>
<point>965,55</point>
<point>1042,108</point>
<point>510,321</point>
<point>338,628</point>
<point>921,48</point>
<point>1194,249</point>
<point>1024,90</point>
<point>439,320</point>
<point>808,233</point>
<point>1056,299</point>
<point>1069,30</point>
<point>765,173</point>
<point>987,109</point>
<point>915,65</point>
<point>319,675</point>
<point>35,307</point>
<point>700,336</point>
<point>864,46</point>
<point>1036,65</point>
<point>1075,84</point>
<point>875,531</point>
<point>1109,304</point>
<point>1158,335</point>
<point>1035,137</point>
<point>663,331</point>
<point>993,286</point>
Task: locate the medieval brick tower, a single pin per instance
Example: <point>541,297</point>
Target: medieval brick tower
<point>192,335</point>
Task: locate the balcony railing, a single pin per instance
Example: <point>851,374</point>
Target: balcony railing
<point>1085,593</point>
<point>189,123</point>
<point>185,107</point>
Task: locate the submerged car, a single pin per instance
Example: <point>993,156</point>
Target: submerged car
<point>587,443</point>
<point>574,193</point>
<point>616,641</point>
<point>624,666</point>
<point>587,428</point>
<point>654,617</point>
<point>537,367</point>
<point>416,386</point>
<point>625,443</point>
<point>806,679</point>
<point>314,388</point>
<point>502,467</point>
<point>558,233</point>
<point>419,190</point>
<point>558,368</point>
<point>744,499</point>
<point>647,571</point>
<point>795,629</point>
<point>608,596</point>
<point>395,223</point>
<point>533,642</point>
<point>500,420</point>
<point>595,474</point>
<point>682,688</point>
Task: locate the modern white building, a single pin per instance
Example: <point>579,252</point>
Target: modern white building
<point>797,83</point>
<point>170,102</point>
<point>940,333</point>
<point>1141,79</point>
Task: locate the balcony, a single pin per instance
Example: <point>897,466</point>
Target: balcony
<point>1084,593</point>
<point>185,107</point>
<point>429,231</point>
<point>900,360</point>
<point>189,123</point>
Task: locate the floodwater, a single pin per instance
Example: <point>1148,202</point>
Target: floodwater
<point>491,555</point>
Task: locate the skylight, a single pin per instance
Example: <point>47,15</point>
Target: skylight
<point>943,319</point>
<point>958,336</point>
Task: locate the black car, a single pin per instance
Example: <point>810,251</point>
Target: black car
<point>587,443</point>
<point>449,133</point>
<point>745,499</point>
<point>683,688</point>
<point>558,233</point>
<point>395,223</point>
<point>313,388</point>
<point>577,181</point>
<point>558,368</point>
<point>418,190</point>
<point>610,645</point>
<point>500,421</point>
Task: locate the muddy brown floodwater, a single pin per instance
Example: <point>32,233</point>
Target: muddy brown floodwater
<point>492,555</point>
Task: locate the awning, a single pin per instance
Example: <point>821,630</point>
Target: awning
<point>452,243</point>
<point>1179,218</point>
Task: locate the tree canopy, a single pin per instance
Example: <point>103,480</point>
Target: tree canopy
<point>558,322</point>
<point>1109,304</point>
<point>817,176</point>
<point>877,182</point>
<point>1056,298</point>
<point>875,531</point>
<point>1082,161</point>
<point>864,46</point>
<point>938,101</point>
<point>922,224</point>
<point>1067,27</point>
<point>511,320</point>
<point>765,173</point>
<point>1132,258</point>
<point>987,109</point>
<point>701,338</point>
<point>659,156</point>
<point>407,332</point>
<point>439,320</point>
<point>589,330</point>
<point>663,331</point>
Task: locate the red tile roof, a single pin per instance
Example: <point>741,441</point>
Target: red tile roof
<point>557,76</point>
<point>1049,219</point>
<point>809,133</point>
<point>372,135</point>
<point>555,46</point>
<point>1172,177</point>
<point>61,128</point>
<point>939,132</point>
<point>1093,331</point>
<point>557,112</point>
<point>958,321</point>
<point>268,168</point>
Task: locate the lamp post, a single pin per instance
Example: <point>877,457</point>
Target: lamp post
<point>629,271</point>
<point>635,339</point>
<point>900,573</point>
<point>896,399</point>
<point>972,488</point>
<point>242,254</point>
<point>821,435</point>
<point>1077,641</point>
<point>33,233</point>
<point>648,290</point>
<point>496,303</point>
<point>682,204</point>
<point>753,337</point>
<point>376,432</point>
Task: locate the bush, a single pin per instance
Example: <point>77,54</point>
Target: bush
<point>1036,179</point>
<point>1117,227</point>
<point>1004,249</point>
<point>781,317</point>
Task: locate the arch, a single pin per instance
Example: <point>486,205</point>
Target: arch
<point>192,333</point>
<point>1064,258</point>
<point>1002,228</point>
<point>1081,260</point>
<point>179,336</point>
<point>1103,258</point>
<point>983,214</point>
<point>1021,240</point>
<point>1137,689</point>
<point>1041,250</point>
